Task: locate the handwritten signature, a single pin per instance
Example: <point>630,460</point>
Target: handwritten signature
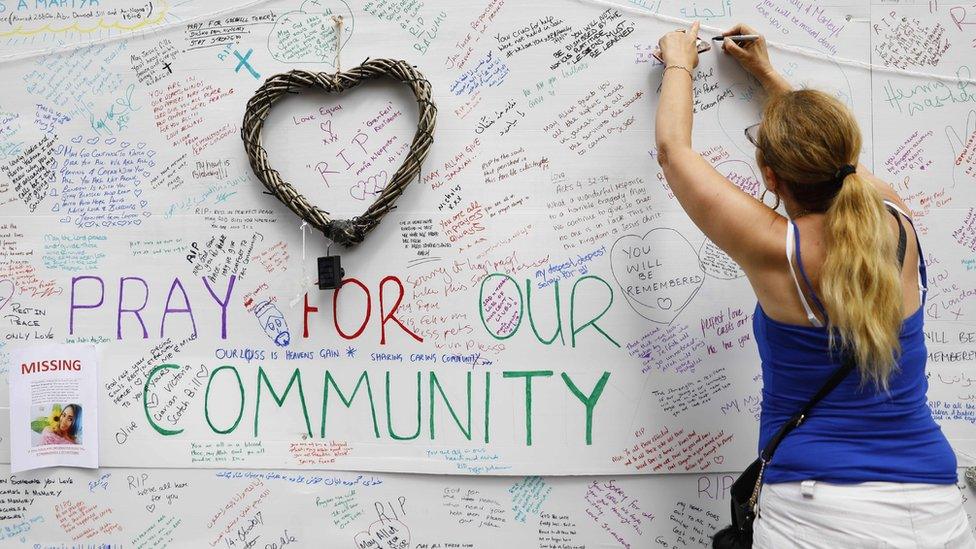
<point>118,113</point>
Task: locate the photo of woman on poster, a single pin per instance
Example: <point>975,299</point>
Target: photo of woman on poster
<point>63,427</point>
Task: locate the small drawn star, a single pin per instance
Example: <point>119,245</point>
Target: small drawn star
<point>350,352</point>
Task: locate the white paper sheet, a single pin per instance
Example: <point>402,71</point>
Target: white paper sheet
<point>53,406</point>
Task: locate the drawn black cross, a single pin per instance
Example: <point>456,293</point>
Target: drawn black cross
<point>166,66</point>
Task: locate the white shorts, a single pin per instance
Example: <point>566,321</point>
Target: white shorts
<point>814,514</point>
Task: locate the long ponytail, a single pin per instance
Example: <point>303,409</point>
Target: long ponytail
<point>805,136</point>
<point>860,282</point>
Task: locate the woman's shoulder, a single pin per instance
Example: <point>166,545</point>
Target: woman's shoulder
<point>886,191</point>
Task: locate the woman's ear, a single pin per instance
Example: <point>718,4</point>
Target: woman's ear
<point>772,182</point>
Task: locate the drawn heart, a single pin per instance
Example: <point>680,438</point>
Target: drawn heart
<point>76,139</point>
<point>152,401</point>
<point>659,273</point>
<point>7,289</point>
<point>92,141</point>
<point>110,141</point>
<point>353,231</point>
<point>65,219</point>
<point>137,192</point>
<point>141,145</point>
<point>124,144</point>
<point>378,182</point>
<point>384,534</point>
<point>151,507</point>
<point>359,191</point>
<point>500,311</point>
<point>143,203</point>
<point>56,207</point>
<point>719,459</point>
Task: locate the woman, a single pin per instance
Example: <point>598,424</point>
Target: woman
<point>66,428</point>
<point>869,465</point>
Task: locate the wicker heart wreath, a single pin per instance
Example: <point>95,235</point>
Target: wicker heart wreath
<point>347,232</point>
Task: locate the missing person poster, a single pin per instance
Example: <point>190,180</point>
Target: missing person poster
<point>53,407</point>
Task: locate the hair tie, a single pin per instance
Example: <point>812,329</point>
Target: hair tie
<point>843,172</point>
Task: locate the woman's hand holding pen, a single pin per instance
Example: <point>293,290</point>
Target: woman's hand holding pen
<point>754,58</point>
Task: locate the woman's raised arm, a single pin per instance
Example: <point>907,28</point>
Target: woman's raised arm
<point>732,219</point>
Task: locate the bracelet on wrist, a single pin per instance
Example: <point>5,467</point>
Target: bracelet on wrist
<point>679,67</point>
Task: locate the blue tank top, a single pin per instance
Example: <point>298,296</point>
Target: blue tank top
<point>853,435</point>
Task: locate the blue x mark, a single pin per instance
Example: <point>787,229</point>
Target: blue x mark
<point>243,62</point>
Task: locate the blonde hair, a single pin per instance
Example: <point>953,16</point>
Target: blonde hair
<point>805,136</point>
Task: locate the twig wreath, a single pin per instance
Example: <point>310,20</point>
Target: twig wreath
<point>347,232</point>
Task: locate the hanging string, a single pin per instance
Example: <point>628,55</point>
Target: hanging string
<point>306,284</point>
<point>337,20</point>
<point>803,52</point>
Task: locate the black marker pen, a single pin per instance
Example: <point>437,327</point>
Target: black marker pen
<point>738,38</point>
